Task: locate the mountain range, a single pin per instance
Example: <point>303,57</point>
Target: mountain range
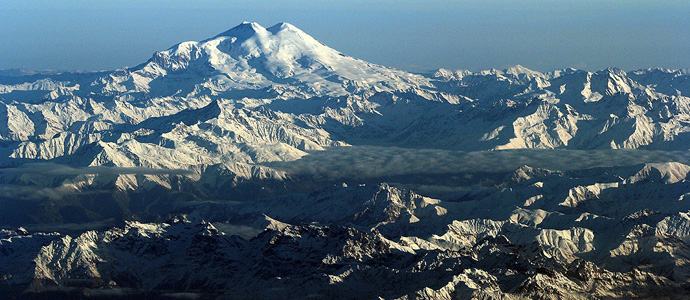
<point>260,163</point>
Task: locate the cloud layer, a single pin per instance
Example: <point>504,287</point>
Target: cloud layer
<point>368,162</point>
<point>56,169</point>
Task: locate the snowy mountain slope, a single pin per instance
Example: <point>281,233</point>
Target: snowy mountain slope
<point>280,76</point>
<point>576,109</point>
<point>252,57</point>
<point>366,237</point>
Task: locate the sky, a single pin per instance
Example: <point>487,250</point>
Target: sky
<point>412,35</point>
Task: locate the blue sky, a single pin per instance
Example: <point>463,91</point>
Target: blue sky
<point>410,35</point>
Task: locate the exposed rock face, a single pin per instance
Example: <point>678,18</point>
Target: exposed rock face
<point>365,237</point>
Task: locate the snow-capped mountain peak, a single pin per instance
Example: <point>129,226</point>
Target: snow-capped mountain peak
<point>518,70</point>
<point>251,56</point>
<point>244,29</point>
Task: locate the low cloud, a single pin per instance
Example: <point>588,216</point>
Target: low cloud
<point>56,169</point>
<point>367,162</point>
<point>431,171</point>
<point>52,189</point>
<point>25,192</point>
<point>69,228</point>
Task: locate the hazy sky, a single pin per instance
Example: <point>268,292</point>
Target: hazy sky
<point>417,35</point>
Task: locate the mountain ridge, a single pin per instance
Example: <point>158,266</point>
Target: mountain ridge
<point>430,248</point>
<point>261,157</point>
